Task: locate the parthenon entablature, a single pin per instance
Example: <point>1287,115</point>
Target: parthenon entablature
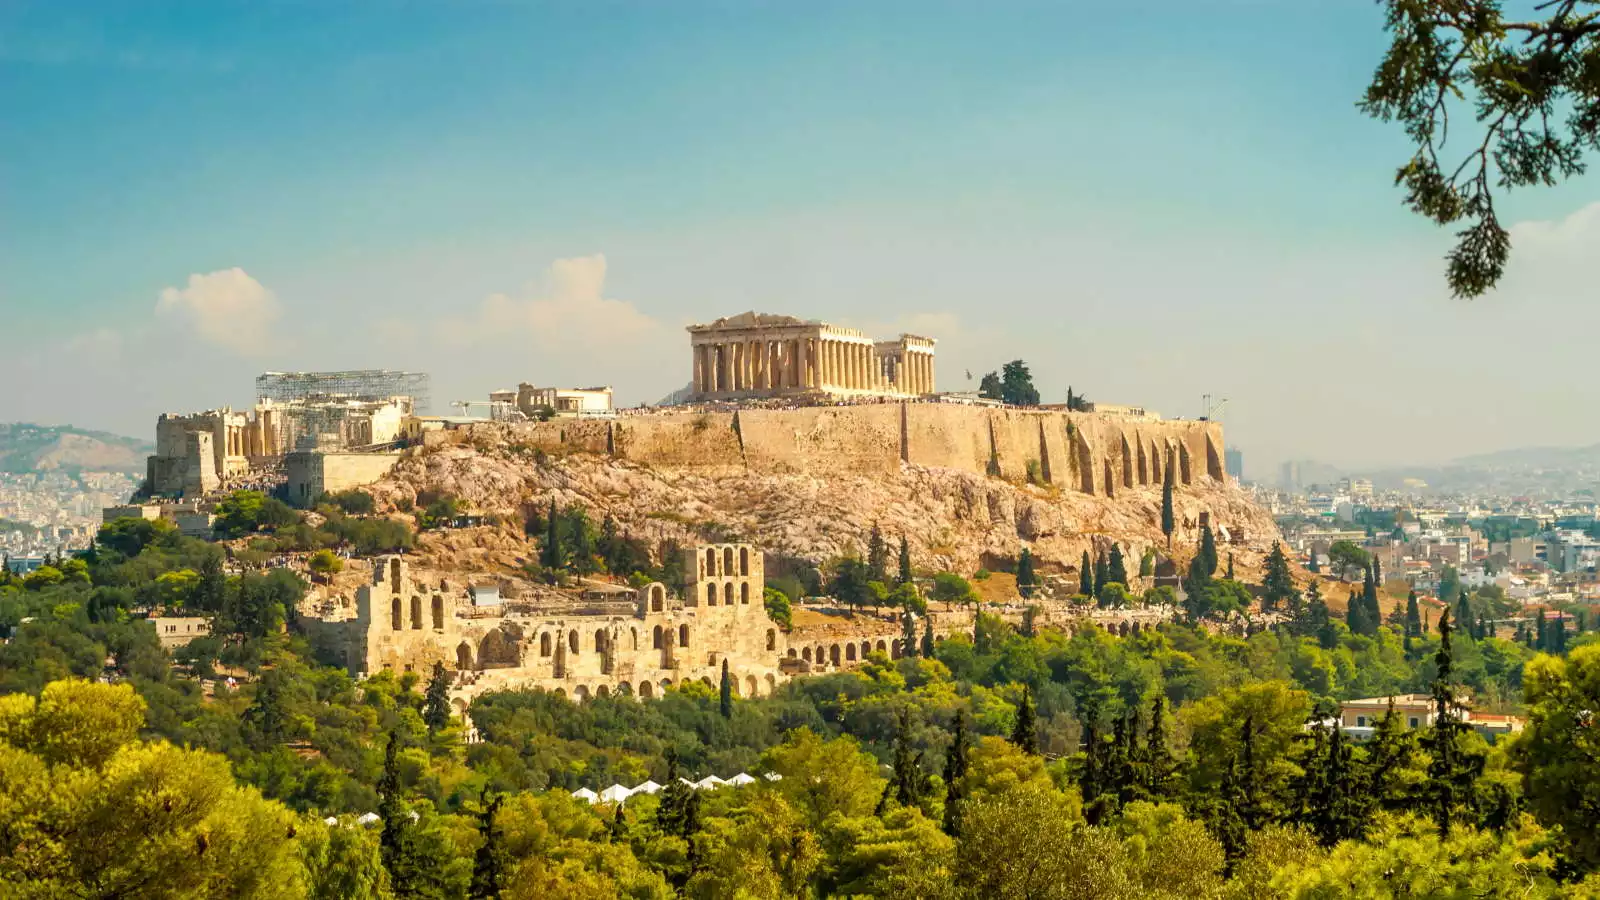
<point>757,355</point>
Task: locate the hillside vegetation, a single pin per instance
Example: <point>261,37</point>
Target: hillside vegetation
<point>25,448</point>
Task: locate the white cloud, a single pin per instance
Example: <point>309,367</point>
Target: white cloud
<point>1580,230</point>
<point>568,309</point>
<point>226,307</point>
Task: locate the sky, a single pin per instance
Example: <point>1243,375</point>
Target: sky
<point>1147,202</point>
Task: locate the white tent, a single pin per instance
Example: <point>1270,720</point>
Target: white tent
<point>773,776</point>
<point>741,779</point>
<point>648,787</point>
<point>615,794</point>
<point>586,795</point>
<point>709,783</point>
<point>367,819</point>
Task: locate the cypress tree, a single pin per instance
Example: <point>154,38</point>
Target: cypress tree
<point>1319,622</point>
<point>927,637</point>
<point>905,562</point>
<point>725,695</point>
<point>1413,616</point>
<point>955,771</point>
<point>1025,576</point>
<point>1463,614</point>
<point>908,632</point>
<point>1377,571</point>
<point>1117,567</point>
<point>1559,633</point>
<point>1025,735</point>
<point>908,779</point>
<point>1086,577</point>
<point>552,555</point>
<point>1160,765</point>
<point>877,557</point>
<point>1452,771</point>
<point>396,847</point>
<point>1208,549</point>
<point>1355,614</point>
<point>488,864</point>
<point>211,592</point>
<point>1230,566</point>
<point>1168,522</point>
<point>1369,599</point>
<point>619,824</point>
<point>1542,642</point>
<point>436,703</point>
<point>1102,571</point>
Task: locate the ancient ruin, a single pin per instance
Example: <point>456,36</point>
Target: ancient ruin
<point>610,640</point>
<point>758,355</point>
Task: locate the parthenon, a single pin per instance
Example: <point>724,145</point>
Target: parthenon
<point>756,355</point>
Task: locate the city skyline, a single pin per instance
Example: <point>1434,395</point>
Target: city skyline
<point>505,193</point>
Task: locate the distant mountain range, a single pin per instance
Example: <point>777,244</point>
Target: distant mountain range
<point>1538,472</point>
<point>62,448</point>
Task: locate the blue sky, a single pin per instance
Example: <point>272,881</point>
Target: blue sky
<point>1147,202</point>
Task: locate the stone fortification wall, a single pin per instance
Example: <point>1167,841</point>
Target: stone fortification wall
<point>1089,453</point>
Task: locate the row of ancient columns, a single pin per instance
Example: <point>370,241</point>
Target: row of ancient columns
<point>754,365</point>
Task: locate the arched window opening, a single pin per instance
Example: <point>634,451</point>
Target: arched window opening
<point>711,562</point>
<point>395,613</point>
<point>711,595</point>
<point>416,613</point>
<point>806,654</point>
<point>744,593</point>
<point>727,594</point>
<point>744,560</point>
<point>572,641</point>
<point>438,613</point>
<point>727,561</point>
<point>655,639</point>
<point>544,644</point>
<point>772,639</point>
<point>850,652</point>
<point>683,635</point>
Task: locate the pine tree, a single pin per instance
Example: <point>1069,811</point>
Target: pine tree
<point>1086,577</point>
<point>1336,803</point>
<point>1318,621</point>
<point>927,637</point>
<point>552,555</point>
<point>436,703</point>
<point>611,547</point>
<point>905,562</point>
<point>1117,567</point>
<point>1025,735</point>
<point>1452,771</point>
<point>267,713</point>
<point>1026,579</point>
<point>1377,571</point>
<point>489,864</point>
<point>725,695</point>
<point>877,557</point>
<point>1277,585</point>
<point>955,771</point>
<point>1559,635</point>
<point>1390,752</point>
<point>619,824</point>
<point>211,592</point>
<point>1168,522</point>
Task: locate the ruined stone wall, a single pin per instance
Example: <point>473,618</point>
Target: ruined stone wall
<point>822,439</point>
<point>687,439</point>
<point>310,474</point>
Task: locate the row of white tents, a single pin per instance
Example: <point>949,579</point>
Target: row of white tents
<point>619,793</point>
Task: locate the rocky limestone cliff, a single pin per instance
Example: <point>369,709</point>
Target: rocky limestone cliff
<point>952,519</point>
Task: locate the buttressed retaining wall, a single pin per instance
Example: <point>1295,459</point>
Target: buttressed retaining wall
<point>1087,452</point>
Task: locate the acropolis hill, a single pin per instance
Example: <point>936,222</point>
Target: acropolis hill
<point>967,486</point>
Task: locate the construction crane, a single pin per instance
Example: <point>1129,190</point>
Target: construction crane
<point>1211,409</point>
<point>466,406</point>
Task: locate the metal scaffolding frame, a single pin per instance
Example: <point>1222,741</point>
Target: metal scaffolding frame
<point>358,384</point>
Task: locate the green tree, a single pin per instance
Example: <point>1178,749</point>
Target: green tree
<point>949,587</point>
<point>1413,628</point>
<point>1026,579</point>
<point>778,607</point>
<point>1519,76</point>
<point>1208,550</point>
<point>955,775</point>
<point>489,863</point>
<point>725,693</point>
<point>927,638</point>
<point>1557,750</point>
<point>851,584</point>
<point>1277,585</point>
<point>1168,521</point>
<point>990,388</point>
<point>1102,572</point>
<point>1025,734</point>
<point>436,702</point>
<point>905,576</point>
<point>325,563</point>
<point>552,555</point>
<point>1116,566</point>
<point>1346,557</point>
<point>1086,576</point>
<point>1016,384</point>
<point>1454,768</point>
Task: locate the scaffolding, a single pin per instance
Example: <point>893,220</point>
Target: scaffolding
<point>364,385</point>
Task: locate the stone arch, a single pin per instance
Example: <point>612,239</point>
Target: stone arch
<point>833,654</point>
<point>744,593</point>
<point>572,641</point>
<point>1122,630</point>
<point>791,654</point>
<point>399,620</point>
<point>750,686</point>
<point>683,635</point>
<point>727,594</point>
<point>438,613</point>
<point>658,597</point>
<point>711,595</point>
<point>866,649</point>
<point>560,692</point>
<point>706,680</point>
<point>602,646</point>
<point>772,683</point>
<point>494,651</point>
<point>655,638</point>
<point>744,560</point>
<point>850,652</point>
<point>727,561</point>
<point>711,561</point>
<point>602,691</point>
<point>772,639</point>
<point>894,649</point>
<point>806,654</point>
<point>580,693</point>
<point>1183,464</point>
<point>625,689</point>
<point>463,656</point>
<point>882,647</point>
<point>544,644</point>
<point>394,575</point>
<point>646,690</point>
<point>416,613</point>
<point>666,683</point>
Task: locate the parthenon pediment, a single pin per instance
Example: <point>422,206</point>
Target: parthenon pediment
<point>753,319</point>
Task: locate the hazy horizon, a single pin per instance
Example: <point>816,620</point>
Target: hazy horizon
<point>496,193</point>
